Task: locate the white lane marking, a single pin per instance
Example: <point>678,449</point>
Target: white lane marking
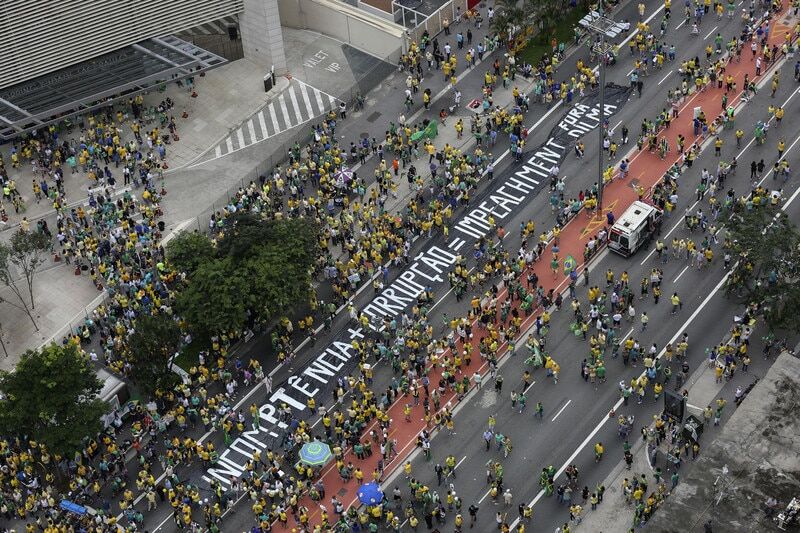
<point>627,335</point>
<point>251,128</point>
<point>218,151</point>
<point>284,111</point>
<point>318,97</point>
<point>276,128</point>
<point>296,106</point>
<point>561,410</point>
<point>681,274</point>
<point>306,100</point>
<point>709,33</point>
<point>665,77</point>
<point>240,137</point>
<point>529,387</point>
<point>229,143</point>
<point>263,124</point>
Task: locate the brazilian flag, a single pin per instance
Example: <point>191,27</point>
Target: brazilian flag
<point>430,131</point>
<point>569,264</point>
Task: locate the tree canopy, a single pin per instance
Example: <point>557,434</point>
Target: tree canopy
<point>188,250</point>
<point>515,17</point>
<point>766,245</point>
<point>256,269</point>
<point>51,397</point>
<point>156,338</point>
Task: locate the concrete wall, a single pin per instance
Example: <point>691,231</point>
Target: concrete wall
<point>262,39</point>
<point>356,27</point>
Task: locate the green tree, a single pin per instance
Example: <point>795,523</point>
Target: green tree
<point>511,18</point>
<point>260,269</point>
<point>278,258</point>
<point>214,300</point>
<point>152,344</point>
<point>51,397</point>
<point>188,250</point>
<point>766,246</point>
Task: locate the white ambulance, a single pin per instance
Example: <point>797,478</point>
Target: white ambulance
<point>634,228</point>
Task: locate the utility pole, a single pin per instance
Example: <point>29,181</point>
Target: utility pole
<point>597,24</point>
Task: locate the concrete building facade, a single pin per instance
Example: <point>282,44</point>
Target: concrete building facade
<point>262,38</point>
<point>43,36</point>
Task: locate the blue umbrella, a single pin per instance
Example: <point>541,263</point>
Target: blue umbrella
<point>370,494</point>
<point>315,453</point>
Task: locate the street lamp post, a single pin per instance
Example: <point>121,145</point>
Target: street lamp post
<point>597,24</point>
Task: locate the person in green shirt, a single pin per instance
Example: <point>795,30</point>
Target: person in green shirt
<point>601,373</point>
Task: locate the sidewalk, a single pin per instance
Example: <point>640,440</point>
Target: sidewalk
<point>753,459</point>
<point>616,513</point>
<point>216,109</point>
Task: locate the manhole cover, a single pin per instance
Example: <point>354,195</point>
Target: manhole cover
<point>373,117</point>
<point>341,492</point>
<point>488,398</point>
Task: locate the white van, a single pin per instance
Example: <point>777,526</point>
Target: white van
<point>634,228</point>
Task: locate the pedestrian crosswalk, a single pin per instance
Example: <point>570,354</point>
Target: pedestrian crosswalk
<point>297,104</point>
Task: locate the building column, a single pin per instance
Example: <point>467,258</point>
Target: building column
<point>262,37</point>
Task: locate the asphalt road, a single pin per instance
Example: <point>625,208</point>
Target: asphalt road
<point>578,413</point>
<point>573,408</point>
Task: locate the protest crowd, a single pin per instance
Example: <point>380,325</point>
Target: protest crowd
<point>115,239</point>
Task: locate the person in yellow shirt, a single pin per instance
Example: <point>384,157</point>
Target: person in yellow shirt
<point>598,452</point>
<point>676,303</point>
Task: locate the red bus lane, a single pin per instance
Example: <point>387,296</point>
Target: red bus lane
<point>646,170</point>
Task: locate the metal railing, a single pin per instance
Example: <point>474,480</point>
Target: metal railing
<point>418,22</point>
